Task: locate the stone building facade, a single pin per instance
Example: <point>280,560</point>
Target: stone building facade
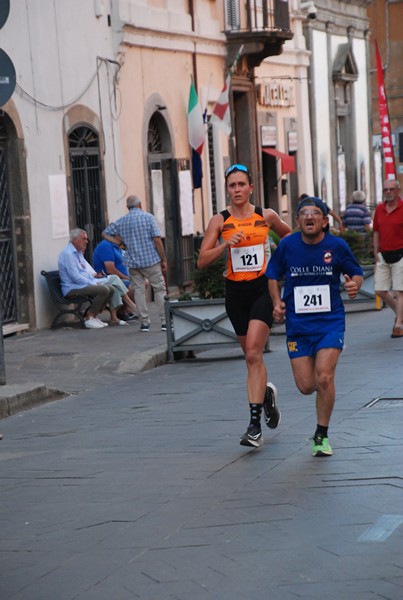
<point>100,112</point>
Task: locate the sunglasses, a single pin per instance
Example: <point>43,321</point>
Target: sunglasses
<point>235,168</point>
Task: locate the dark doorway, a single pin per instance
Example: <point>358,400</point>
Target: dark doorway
<point>7,261</point>
<point>86,184</point>
<point>165,201</point>
<point>270,183</point>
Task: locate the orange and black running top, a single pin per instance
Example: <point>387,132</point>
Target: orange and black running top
<point>247,260</point>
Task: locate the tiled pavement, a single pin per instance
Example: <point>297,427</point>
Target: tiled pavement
<point>136,486</point>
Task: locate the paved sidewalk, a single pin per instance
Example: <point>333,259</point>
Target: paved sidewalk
<point>49,364</point>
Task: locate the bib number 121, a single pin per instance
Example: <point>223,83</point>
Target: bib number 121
<point>247,258</point>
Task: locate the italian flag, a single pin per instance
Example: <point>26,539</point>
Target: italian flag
<point>195,121</point>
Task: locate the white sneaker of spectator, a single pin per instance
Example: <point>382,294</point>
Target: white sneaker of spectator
<point>93,323</point>
<point>102,322</point>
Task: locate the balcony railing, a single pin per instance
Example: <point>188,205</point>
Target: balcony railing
<point>258,15</point>
<point>268,14</point>
<point>262,26</point>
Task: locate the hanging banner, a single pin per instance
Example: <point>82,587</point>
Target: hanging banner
<point>59,208</point>
<point>388,158</point>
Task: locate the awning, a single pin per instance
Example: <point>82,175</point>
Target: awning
<point>287,161</point>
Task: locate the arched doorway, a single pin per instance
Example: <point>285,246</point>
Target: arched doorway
<point>16,260</point>
<point>164,187</point>
<point>86,183</point>
<point>8,271</point>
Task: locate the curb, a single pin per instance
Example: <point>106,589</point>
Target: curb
<point>16,398</point>
<point>23,397</point>
<point>143,361</point>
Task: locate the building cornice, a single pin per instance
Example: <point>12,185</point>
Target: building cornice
<point>178,42</point>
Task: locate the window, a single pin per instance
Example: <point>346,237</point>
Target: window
<point>232,14</point>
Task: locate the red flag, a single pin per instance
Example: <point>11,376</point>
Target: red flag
<point>221,114</point>
<point>388,157</point>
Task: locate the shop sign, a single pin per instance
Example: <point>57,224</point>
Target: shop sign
<point>276,93</point>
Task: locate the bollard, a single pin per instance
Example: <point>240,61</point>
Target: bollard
<point>2,364</point>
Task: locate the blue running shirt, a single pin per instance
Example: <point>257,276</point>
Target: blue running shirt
<point>312,282</point>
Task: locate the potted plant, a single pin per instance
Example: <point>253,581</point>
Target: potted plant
<point>209,283</point>
<point>362,246</point>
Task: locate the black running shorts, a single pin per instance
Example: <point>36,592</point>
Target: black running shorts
<point>247,300</point>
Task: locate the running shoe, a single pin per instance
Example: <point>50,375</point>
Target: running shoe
<point>272,414</point>
<point>321,446</point>
<point>163,326</point>
<point>252,437</point>
<point>145,327</point>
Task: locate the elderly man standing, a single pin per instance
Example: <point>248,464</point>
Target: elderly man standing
<point>78,278</point>
<point>145,257</point>
<point>357,216</point>
<point>388,250</point>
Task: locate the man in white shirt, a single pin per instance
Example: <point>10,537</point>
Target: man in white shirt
<point>78,278</point>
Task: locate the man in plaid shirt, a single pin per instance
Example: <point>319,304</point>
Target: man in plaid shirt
<point>144,256</point>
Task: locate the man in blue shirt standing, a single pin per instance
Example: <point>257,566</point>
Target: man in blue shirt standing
<point>145,256</point>
<point>311,262</point>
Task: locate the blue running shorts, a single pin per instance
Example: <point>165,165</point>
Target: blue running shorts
<point>308,345</point>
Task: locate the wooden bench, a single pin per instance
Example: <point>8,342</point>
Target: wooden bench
<point>77,306</point>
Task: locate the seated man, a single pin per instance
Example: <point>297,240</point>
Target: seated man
<point>108,258</point>
<point>78,278</point>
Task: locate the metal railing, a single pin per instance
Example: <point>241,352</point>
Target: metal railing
<point>260,15</point>
<point>268,14</point>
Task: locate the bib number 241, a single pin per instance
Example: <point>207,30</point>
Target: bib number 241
<point>312,299</point>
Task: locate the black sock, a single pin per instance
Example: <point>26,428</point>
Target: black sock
<point>255,412</point>
<point>321,430</point>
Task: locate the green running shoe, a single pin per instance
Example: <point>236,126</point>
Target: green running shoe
<point>321,446</point>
